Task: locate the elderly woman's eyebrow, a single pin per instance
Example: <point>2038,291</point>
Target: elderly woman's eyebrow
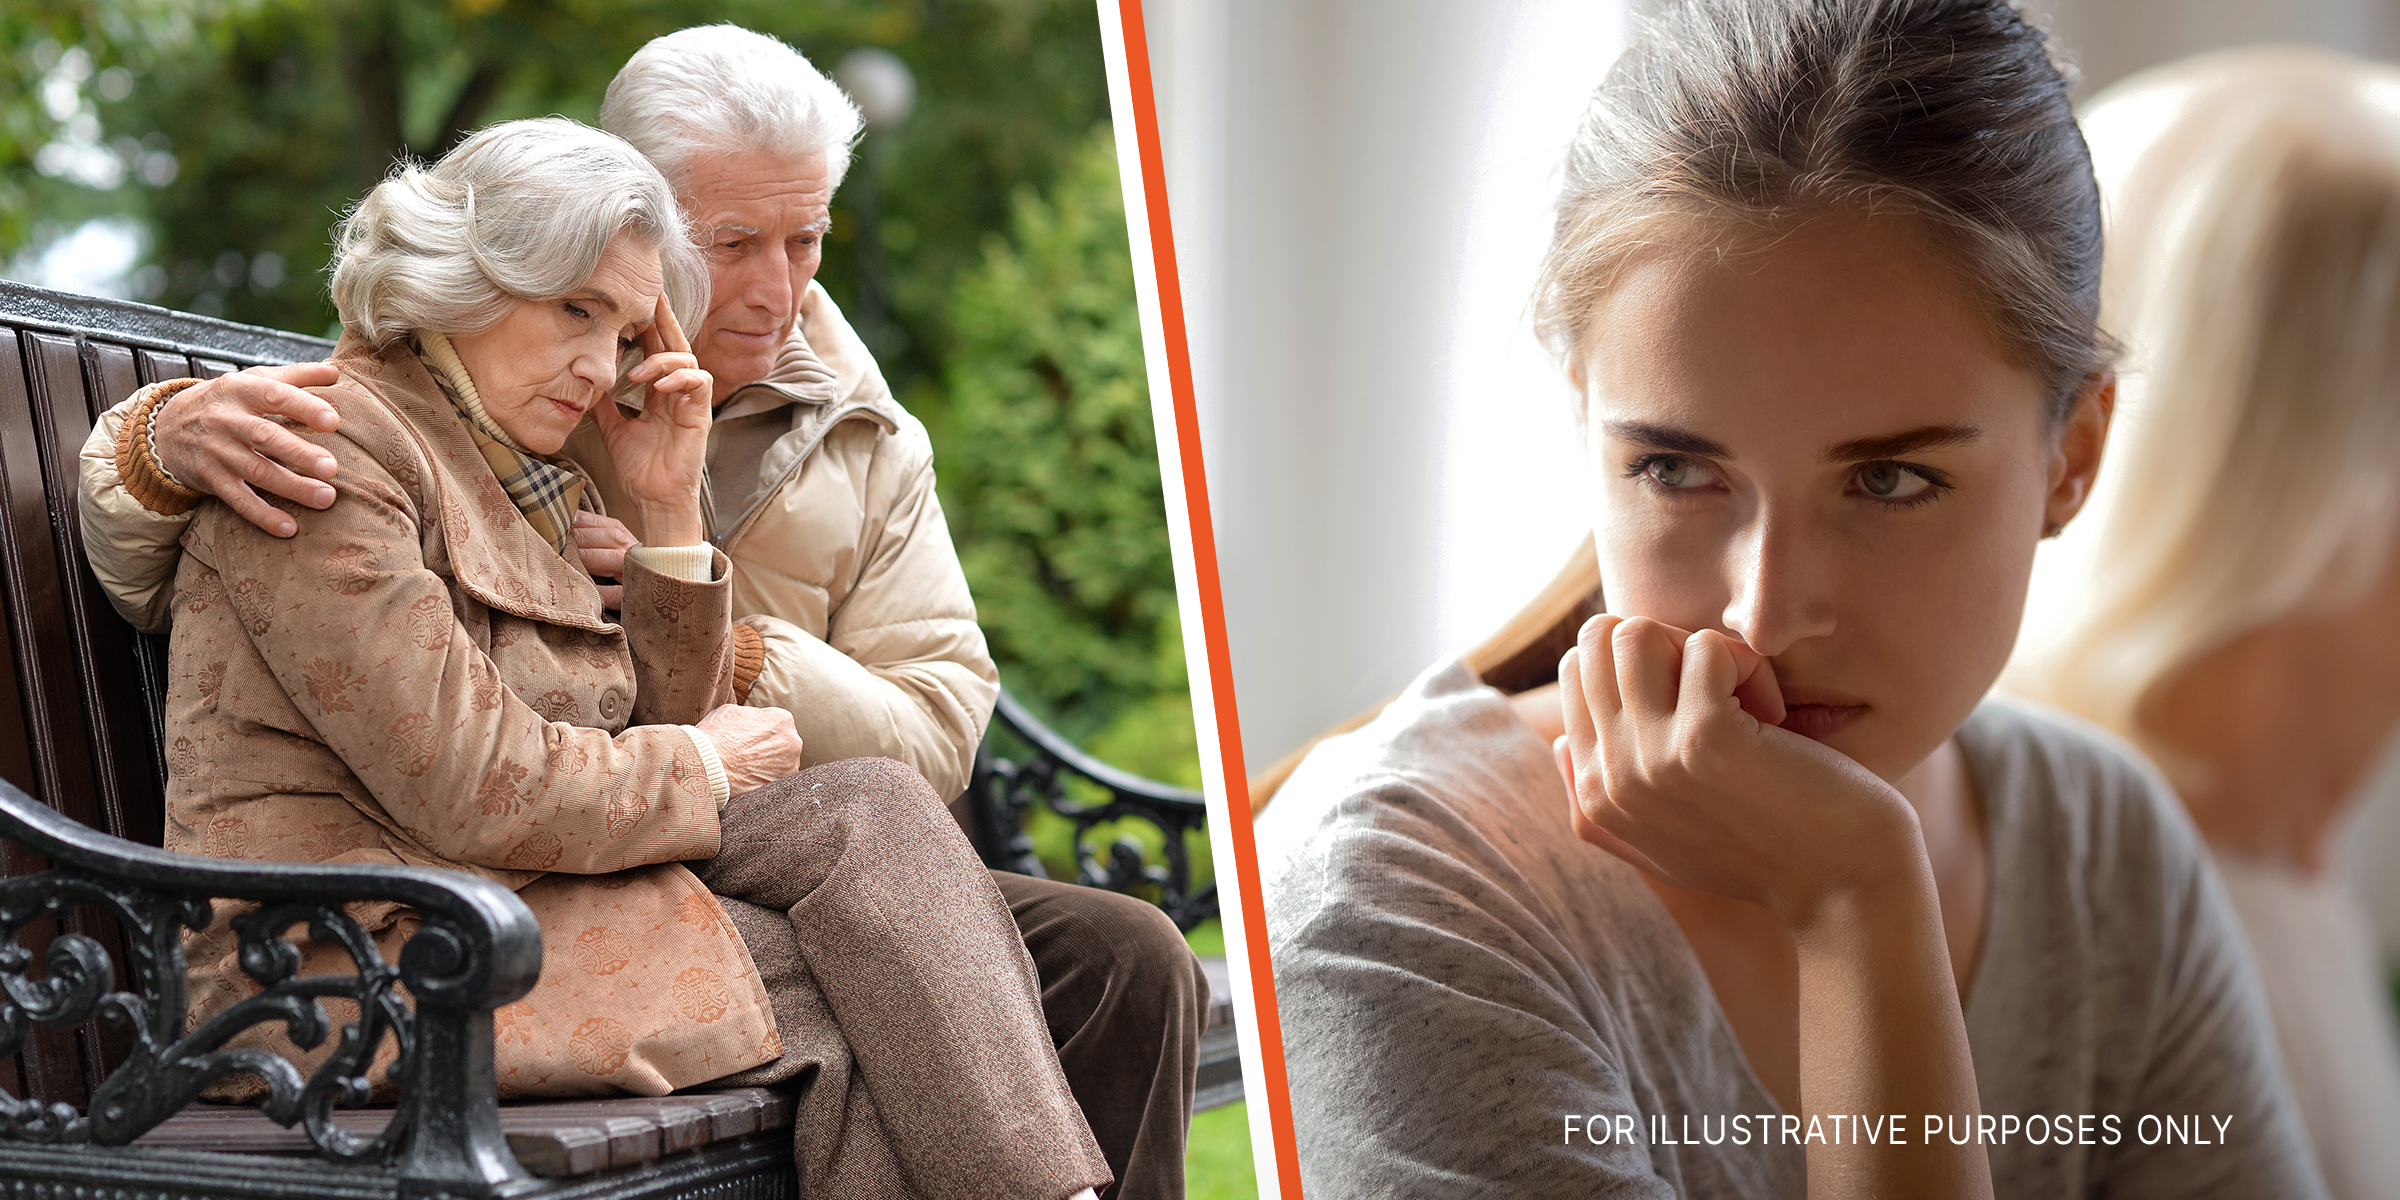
<point>1892,445</point>
<point>1665,438</point>
<point>602,297</point>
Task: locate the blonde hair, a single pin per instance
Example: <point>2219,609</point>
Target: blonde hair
<point>2254,272</point>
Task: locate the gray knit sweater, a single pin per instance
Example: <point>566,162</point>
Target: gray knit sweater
<point>1476,1003</point>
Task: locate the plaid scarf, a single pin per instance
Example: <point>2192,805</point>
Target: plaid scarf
<point>546,490</point>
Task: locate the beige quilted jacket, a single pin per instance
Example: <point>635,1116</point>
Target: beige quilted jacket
<point>842,560</point>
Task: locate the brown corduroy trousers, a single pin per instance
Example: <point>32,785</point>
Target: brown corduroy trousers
<point>1126,1001</point>
<point>898,977</point>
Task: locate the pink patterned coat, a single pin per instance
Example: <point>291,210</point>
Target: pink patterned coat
<point>417,677</point>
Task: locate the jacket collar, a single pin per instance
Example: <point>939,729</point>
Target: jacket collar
<point>496,556</point>
<point>798,377</point>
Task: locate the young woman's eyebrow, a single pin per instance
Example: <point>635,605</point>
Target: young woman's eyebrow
<point>1892,445</point>
<point>1665,438</point>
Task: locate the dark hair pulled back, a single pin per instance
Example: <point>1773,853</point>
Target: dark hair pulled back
<point>1759,114</point>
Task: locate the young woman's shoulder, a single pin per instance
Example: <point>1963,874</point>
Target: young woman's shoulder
<point>1445,789</point>
<point>1454,971</point>
<point>2084,834</point>
<point>2113,978</point>
<point>2065,796</point>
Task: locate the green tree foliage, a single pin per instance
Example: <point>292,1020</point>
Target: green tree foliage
<point>276,115</point>
<point>1049,464</point>
<point>1049,477</point>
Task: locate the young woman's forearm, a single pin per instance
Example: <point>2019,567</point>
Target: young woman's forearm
<point>1882,1039</point>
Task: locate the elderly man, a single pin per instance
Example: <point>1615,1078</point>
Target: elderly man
<point>821,491</point>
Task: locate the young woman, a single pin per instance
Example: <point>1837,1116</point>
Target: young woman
<point>1827,274</point>
<point>2231,604</point>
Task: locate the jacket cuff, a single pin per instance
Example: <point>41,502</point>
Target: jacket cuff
<point>692,564</point>
<point>749,658</point>
<point>719,788</point>
<point>137,461</point>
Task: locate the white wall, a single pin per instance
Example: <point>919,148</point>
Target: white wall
<point>1359,191</point>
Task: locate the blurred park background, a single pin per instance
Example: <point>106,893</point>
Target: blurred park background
<point>195,154</point>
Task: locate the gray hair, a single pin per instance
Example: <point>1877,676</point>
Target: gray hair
<point>722,88</point>
<point>522,210</point>
<point>1748,116</point>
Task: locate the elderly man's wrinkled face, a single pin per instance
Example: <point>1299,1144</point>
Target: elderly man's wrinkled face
<point>764,217</point>
<point>547,362</point>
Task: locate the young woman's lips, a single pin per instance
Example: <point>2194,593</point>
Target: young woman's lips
<point>1819,713</point>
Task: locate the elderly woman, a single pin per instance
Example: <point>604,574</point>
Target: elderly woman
<point>425,674</point>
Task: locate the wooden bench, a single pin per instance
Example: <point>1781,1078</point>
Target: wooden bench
<point>97,1067</point>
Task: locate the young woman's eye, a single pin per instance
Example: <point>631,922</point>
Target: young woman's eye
<point>1899,483</point>
<point>1674,472</point>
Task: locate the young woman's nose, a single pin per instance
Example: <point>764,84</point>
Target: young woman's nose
<point>1778,599</point>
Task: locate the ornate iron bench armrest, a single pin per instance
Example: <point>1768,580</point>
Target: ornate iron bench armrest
<point>477,949</point>
<point>1002,789</point>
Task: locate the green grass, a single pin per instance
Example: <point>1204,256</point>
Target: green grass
<point>1207,939</point>
<point>1216,1163</point>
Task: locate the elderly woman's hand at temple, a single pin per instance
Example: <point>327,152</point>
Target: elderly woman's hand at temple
<point>661,454</point>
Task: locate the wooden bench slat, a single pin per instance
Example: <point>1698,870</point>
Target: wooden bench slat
<point>49,706</point>
<point>108,773</point>
<point>155,365</point>
<point>124,741</point>
<point>561,1152</point>
<point>552,1138</point>
<point>38,612</point>
<point>20,482</point>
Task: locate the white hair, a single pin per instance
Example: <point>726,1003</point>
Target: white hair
<point>522,210</point>
<point>722,88</point>
<point>2254,475</point>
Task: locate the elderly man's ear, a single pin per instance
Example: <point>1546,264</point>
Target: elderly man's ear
<point>224,437</point>
<point>2075,458</point>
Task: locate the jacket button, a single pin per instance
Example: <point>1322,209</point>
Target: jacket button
<point>610,701</point>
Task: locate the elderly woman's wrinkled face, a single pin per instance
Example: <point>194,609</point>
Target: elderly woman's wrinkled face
<point>1820,447</point>
<point>548,361</point>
